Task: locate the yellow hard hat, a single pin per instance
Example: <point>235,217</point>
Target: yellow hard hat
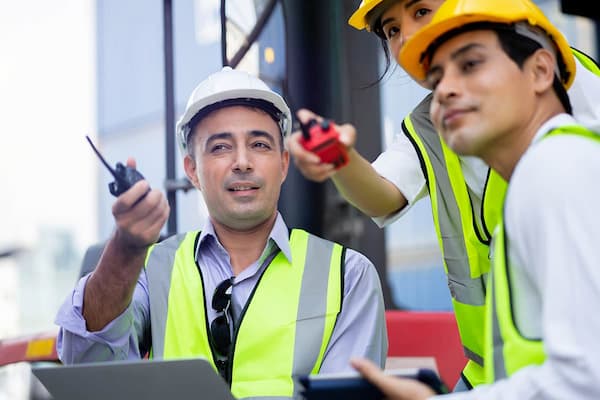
<point>359,19</point>
<point>454,14</point>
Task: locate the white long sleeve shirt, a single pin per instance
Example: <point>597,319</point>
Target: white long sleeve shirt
<point>552,222</point>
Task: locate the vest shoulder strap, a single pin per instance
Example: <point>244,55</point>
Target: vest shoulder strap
<point>588,62</point>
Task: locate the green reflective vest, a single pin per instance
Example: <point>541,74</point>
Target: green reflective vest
<point>464,245</point>
<point>507,350</point>
<point>284,328</point>
<point>586,61</point>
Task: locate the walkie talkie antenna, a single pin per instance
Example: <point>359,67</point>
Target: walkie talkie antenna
<point>111,169</point>
<point>125,177</point>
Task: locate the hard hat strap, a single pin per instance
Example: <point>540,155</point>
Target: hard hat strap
<point>540,36</point>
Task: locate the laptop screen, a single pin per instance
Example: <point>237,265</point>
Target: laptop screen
<point>180,379</point>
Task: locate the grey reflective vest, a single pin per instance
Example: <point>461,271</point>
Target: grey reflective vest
<point>507,350</point>
<point>464,246</point>
<point>283,330</point>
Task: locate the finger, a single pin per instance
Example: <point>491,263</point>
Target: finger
<point>316,171</point>
<point>146,230</point>
<point>369,370</point>
<point>375,375</point>
<point>142,225</point>
<point>347,135</point>
<point>305,115</point>
<point>130,197</point>
<point>319,174</point>
<point>298,152</point>
<point>126,214</point>
<point>131,162</point>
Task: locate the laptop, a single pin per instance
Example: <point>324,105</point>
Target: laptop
<point>180,379</point>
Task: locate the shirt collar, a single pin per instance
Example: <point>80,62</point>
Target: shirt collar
<point>553,123</point>
<point>278,237</point>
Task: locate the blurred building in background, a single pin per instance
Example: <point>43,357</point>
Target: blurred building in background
<point>73,68</point>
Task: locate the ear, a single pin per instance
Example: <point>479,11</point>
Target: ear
<point>190,166</point>
<point>285,160</point>
<point>543,67</point>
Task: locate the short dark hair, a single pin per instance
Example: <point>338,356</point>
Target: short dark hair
<point>518,48</point>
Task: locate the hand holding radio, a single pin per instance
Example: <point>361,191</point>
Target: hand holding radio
<point>138,225</point>
<point>323,139</point>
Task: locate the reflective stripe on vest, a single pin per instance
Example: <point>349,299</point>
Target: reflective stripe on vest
<point>586,61</point>
<point>465,250</point>
<point>292,312</point>
<point>507,350</point>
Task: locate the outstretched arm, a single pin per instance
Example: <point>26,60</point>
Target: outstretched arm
<point>140,214</point>
<point>357,181</point>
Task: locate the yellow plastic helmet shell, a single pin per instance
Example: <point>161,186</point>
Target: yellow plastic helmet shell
<point>358,20</point>
<point>456,13</point>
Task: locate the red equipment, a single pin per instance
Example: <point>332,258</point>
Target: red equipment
<point>323,140</point>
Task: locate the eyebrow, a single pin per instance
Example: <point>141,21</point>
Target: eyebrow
<point>264,134</point>
<point>229,136</point>
<point>466,48</point>
<point>407,5</point>
<point>219,136</point>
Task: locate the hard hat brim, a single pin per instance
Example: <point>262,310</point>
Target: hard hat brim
<point>222,96</point>
<point>412,56</point>
<point>358,19</point>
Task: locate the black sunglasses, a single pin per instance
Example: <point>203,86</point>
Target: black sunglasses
<point>219,327</point>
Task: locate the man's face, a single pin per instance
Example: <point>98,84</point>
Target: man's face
<point>404,18</point>
<point>481,98</point>
<point>239,166</point>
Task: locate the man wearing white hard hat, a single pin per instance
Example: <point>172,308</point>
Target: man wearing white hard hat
<point>262,302</point>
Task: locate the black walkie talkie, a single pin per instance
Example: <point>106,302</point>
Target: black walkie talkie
<point>125,176</point>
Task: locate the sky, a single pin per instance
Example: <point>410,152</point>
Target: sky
<point>47,103</point>
<point>47,170</point>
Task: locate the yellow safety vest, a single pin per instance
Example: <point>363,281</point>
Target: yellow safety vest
<point>284,328</point>
<point>464,246</point>
<point>586,61</point>
<point>507,350</point>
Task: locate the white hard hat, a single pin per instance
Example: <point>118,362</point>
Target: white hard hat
<point>229,87</point>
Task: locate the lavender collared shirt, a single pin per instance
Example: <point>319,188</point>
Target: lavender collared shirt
<point>360,329</point>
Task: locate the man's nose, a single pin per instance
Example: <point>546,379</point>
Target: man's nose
<point>446,87</point>
<point>242,160</point>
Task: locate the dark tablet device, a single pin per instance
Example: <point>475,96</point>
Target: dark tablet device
<point>352,386</point>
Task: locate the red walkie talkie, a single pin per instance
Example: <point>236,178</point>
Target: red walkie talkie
<point>323,140</point>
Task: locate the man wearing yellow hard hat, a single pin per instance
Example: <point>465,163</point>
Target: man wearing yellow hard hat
<point>500,71</point>
<point>466,196</point>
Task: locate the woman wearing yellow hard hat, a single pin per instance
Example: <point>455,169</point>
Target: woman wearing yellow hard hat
<point>466,195</point>
<point>499,71</point>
